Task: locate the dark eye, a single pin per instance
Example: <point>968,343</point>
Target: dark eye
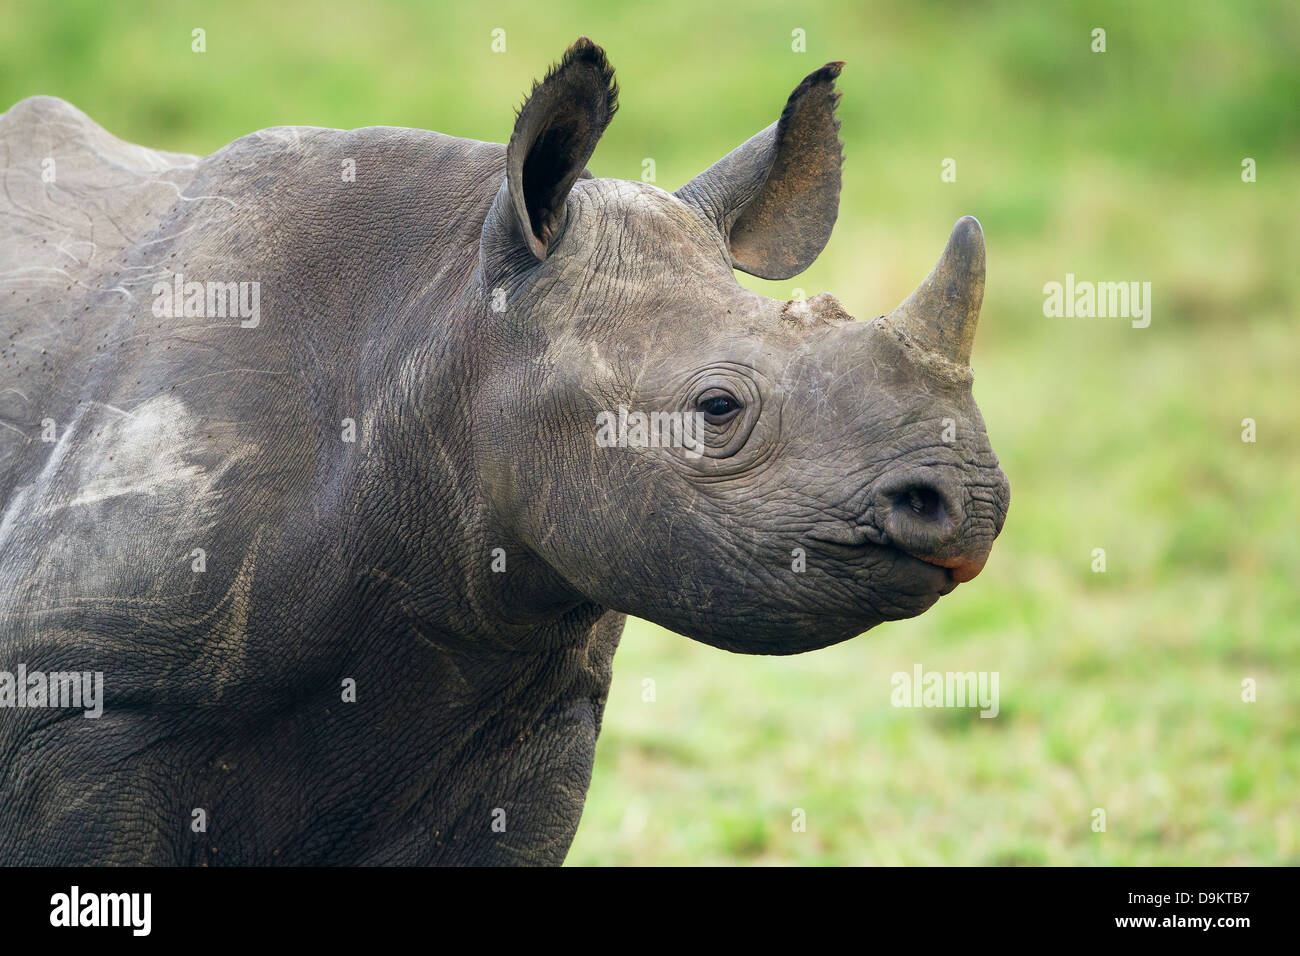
<point>719,408</point>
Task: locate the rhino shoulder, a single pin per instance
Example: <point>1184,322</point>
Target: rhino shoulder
<point>41,127</point>
<point>75,196</point>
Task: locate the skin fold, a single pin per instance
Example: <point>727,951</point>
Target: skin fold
<point>466,558</point>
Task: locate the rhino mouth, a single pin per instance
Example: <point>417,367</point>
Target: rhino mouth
<point>851,535</point>
<point>855,541</point>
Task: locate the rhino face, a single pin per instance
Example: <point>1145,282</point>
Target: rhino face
<point>763,476</point>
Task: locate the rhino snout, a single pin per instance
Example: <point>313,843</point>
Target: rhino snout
<point>923,512</point>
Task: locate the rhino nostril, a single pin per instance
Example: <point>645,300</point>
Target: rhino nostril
<point>923,513</point>
<point>923,501</point>
<point>925,517</point>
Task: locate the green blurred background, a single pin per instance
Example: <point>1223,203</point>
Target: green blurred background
<point>1119,690</point>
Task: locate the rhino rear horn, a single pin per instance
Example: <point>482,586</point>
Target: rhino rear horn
<point>555,134</point>
<point>941,314</point>
<point>775,198</point>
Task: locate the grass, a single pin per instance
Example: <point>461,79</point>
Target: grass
<point>1119,690</point>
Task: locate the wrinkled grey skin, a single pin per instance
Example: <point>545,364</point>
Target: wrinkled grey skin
<point>371,560</point>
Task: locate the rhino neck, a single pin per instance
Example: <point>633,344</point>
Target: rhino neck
<point>436,557</point>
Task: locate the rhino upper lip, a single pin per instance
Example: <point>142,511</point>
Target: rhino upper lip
<point>851,535</point>
<point>858,536</point>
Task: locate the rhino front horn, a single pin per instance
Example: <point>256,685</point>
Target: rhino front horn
<point>942,313</point>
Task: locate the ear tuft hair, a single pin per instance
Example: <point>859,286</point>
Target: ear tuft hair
<point>556,131</point>
<point>584,53</point>
<point>823,81</point>
<point>775,198</point>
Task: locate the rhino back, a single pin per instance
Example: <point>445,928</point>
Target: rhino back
<point>170,433</point>
<point>173,435</point>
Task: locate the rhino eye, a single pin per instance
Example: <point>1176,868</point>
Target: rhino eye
<point>719,407</point>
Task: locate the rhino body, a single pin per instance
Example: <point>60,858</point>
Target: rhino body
<point>372,474</point>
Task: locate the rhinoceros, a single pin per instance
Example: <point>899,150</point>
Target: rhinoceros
<point>331,464</point>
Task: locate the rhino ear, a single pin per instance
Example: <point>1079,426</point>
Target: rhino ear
<point>775,198</point>
<point>555,134</point>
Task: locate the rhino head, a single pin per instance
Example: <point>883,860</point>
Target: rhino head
<point>827,474</point>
